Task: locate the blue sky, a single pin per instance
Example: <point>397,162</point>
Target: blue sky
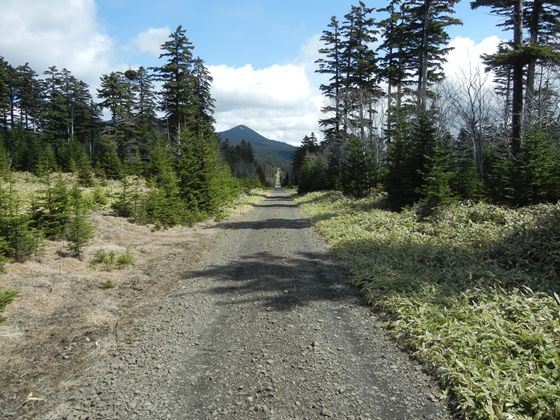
<point>261,33</point>
<point>260,53</point>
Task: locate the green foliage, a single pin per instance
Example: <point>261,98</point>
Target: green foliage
<point>107,284</point>
<point>498,177</point>
<point>437,190</point>
<point>6,297</point>
<point>312,173</point>
<point>107,161</point>
<point>51,212</point>
<point>205,182</point>
<point>131,201</point>
<point>85,170</point>
<point>5,161</point>
<point>46,161</point>
<point>78,230</point>
<point>18,238</point>
<point>99,197</point>
<point>357,169</point>
<point>110,260</point>
<point>533,246</point>
<point>470,289</point>
<point>541,166</point>
<point>125,260</point>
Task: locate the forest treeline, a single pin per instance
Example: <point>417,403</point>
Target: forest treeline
<point>160,143</point>
<point>393,121</point>
<point>52,123</point>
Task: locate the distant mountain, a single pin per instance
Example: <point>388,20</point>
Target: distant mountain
<point>262,147</point>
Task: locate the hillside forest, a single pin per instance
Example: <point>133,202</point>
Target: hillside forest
<point>393,121</point>
<point>160,143</point>
<point>441,194</point>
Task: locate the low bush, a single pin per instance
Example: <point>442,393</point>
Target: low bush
<point>6,297</point>
<point>471,289</point>
<point>110,260</point>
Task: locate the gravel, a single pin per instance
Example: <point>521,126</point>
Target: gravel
<point>265,326</point>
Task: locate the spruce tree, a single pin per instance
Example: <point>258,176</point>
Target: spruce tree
<point>78,230</point>
<point>52,211</point>
<point>176,76</point>
<point>107,161</point>
<point>357,175</point>
<point>429,20</point>
<point>18,238</point>
<point>331,65</point>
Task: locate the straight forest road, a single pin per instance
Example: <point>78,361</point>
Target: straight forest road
<point>264,326</point>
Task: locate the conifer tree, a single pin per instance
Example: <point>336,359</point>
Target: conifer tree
<point>18,239</point>
<point>78,230</point>
<point>107,161</point>
<point>117,96</point>
<point>331,65</point>
<point>394,61</point>
<point>428,24</point>
<point>6,81</point>
<point>360,88</point>
<point>29,96</point>
<point>436,189</point>
<point>357,175</point>
<point>52,211</point>
<point>176,75</point>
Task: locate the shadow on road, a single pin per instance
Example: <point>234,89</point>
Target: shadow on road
<point>279,284</point>
<point>268,224</point>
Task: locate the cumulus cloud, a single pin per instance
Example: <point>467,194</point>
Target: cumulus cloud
<point>150,40</point>
<point>64,33</point>
<point>466,55</point>
<point>277,101</point>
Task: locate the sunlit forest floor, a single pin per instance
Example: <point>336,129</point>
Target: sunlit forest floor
<point>472,290</point>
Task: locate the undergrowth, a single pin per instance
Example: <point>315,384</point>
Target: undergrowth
<point>109,260</point>
<point>472,290</point>
<point>6,297</point>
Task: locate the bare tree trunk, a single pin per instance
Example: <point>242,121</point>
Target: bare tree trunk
<point>423,71</point>
<point>531,68</point>
<point>517,100</point>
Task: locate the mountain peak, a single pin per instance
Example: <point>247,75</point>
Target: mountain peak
<point>262,146</point>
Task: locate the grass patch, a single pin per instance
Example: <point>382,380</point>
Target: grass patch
<point>243,203</point>
<point>6,297</point>
<point>472,290</point>
<point>109,260</point>
<point>107,284</point>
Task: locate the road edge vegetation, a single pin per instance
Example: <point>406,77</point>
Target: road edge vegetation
<point>471,290</point>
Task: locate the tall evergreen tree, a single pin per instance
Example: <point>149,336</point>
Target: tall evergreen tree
<point>178,83</point>
<point>331,65</point>
<point>429,20</point>
<point>360,88</point>
<point>203,102</point>
<point>394,61</point>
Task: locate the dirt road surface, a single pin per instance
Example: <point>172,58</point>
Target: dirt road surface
<point>265,326</point>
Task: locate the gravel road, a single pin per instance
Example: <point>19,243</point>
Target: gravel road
<point>263,327</point>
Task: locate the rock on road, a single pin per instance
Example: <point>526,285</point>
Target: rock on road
<point>265,326</point>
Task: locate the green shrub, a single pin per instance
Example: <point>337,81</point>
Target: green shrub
<point>6,297</point>
<point>78,230</point>
<point>109,260</point>
<point>107,284</point>
<point>99,197</point>
<point>124,260</point>
<point>18,238</point>
<point>51,212</point>
<point>471,289</point>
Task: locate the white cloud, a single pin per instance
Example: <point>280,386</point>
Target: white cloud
<point>466,56</point>
<point>64,33</point>
<point>278,101</point>
<point>151,40</point>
